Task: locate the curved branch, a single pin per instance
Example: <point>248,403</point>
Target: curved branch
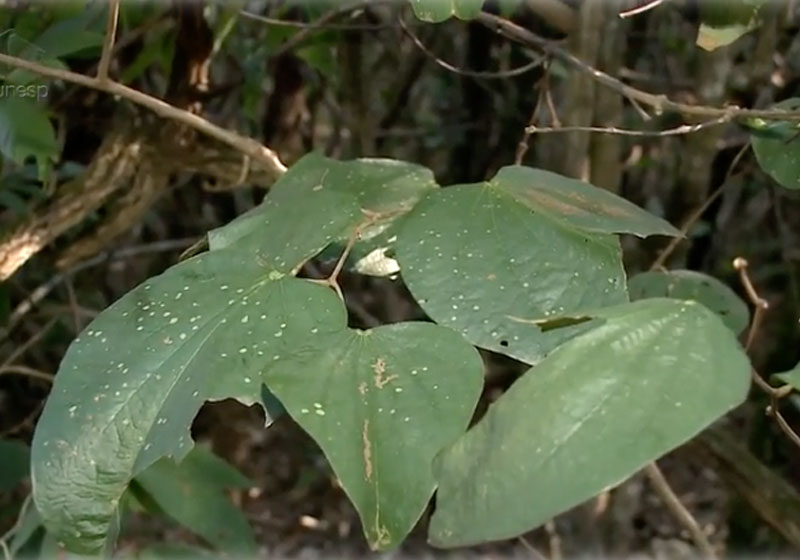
<point>246,145</point>
<point>660,103</point>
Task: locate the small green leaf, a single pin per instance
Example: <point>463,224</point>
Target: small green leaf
<point>25,130</point>
<point>14,464</point>
<point>478,260</point>
<point>68,37</point>
<point>780,157</point>
<point>381,404</point>
<point>724,21</point>
<point>131,384</point>
<point>192,493</point>
<point>591,414</point>
<point>436,11</point>
<point>695,286</point>
<point>792,377</point>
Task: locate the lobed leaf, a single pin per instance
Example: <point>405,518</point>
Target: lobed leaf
<point>131,384</point>
<point>381,404</point>
<point>594,412</point>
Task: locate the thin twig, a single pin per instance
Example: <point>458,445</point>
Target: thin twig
<point>660,103</point>
<point>29,418</point>
<point>27,372</point>
<point>42,291</point>
<point>497,75</point>
<point>698,213</point>
<point>543,85</point>
<point>773,411</point>
<point>761,305</point>
<point>18,523</point>
<point>313,25</point>
<point>775,393</point>
<point>241,143</point>
<point>555,540</point>
<point>25,346</point>
<point>295,40</point>
<point>677,131</point>
<point>678,510</point>
<point>645,7</point>
<point>535,553</point>
<point>108,41</point>
<point>73,305</point>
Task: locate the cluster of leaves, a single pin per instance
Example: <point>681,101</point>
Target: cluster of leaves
<point>70,29</point>
<point>526,264</point>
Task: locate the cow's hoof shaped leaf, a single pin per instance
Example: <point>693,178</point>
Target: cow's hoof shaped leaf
<point>381,404</point>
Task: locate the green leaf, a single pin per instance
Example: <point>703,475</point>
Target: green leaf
<point>192,493</point>
<point>695,286</point>
<point>14,464</point>
<point>578,204</point>
<point>25,130</point>
<point>68,37</point>
<point>381,404</point>
<point>711,38</point>
<point>481,262</point>
<point>594,412</point>
<point>299,204</point>
<point>780,157</point>
<point>792,377</point>
<point>131,384</point>
<point>436,11</point>
<point>724,21</point>
<point>63,38</point>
